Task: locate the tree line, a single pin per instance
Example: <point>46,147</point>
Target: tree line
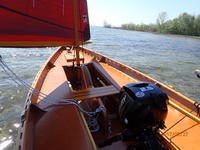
<point>184,24</point>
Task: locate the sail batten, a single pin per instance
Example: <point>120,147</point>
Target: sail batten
<point>43,21</point>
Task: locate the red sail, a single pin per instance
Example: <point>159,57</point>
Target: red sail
<point>43,22</point>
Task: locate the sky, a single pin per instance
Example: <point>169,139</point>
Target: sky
<point>117,12</point>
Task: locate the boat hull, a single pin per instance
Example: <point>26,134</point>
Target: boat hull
<point>46,124</point>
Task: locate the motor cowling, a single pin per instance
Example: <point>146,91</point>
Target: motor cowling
<point>143,106</point>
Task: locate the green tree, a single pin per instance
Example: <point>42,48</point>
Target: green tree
<point>173,26</point>
<point>186,22</point>
<point>197,25</point>
<point>162,17</point>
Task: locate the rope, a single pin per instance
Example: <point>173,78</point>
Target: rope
<point>40,95</point>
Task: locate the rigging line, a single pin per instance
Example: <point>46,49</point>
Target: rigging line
<point>99,109</point>
<point>184,131</point>
<point>68,102</point>
<point>26,85</point>
<point>36,18</point>
<point>65,101</point>
<point>35,92</point>
<point>9,74</point>
<point>19,83</point>
<point>17,80</point>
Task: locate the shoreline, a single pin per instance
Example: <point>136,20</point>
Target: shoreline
<point>169,34</point>
<point>177,35</point>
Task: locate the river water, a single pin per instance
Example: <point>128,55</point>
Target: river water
<point>169,59</point>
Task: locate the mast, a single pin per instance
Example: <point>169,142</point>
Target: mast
<point>76,28</point>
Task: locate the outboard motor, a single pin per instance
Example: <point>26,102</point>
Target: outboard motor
<point>142,110</point>
<point>143,106</point>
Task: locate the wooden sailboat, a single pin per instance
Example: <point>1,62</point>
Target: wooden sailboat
<point>83,100</point>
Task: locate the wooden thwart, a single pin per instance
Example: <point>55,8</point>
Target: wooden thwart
<point>95,92</point>
<point>71,58</point>
<point>74,59</point>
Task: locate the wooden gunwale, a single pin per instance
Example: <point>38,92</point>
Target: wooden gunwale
<point>37,84</point>
<point>40,77</point>
<point>95,92</point>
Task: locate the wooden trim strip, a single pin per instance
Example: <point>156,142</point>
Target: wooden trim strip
<point>39,44</point>
<point>88,131</point>
<point>74,59</point>
<point>39,79</point>
<point>105,74</point>
<point>195,118</point>
<point>95,92</point>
